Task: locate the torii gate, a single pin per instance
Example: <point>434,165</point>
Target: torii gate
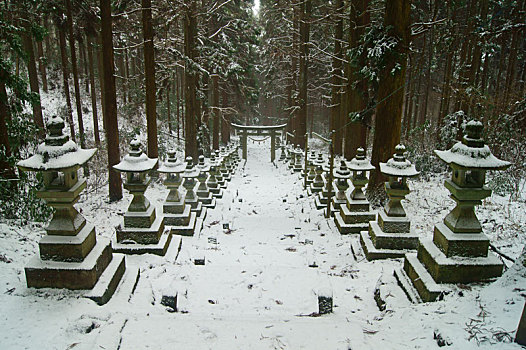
<point>256,130</point>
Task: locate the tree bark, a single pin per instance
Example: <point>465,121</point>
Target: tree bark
<point>93,92</point>
<point>75,73</point>
<point>33,78</point>
<point>358,97</point>
<point>6,170</point>
<point>110,101</point>
<point>215,111</point>
<point>149,70</point>
<point>391,87</point>
<point>65,78</point>
<point>190,35</point>
<point>336,81</point>
<point>301,130</point>
<point>42,65</point>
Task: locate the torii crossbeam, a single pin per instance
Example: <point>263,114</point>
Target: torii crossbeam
<point>257,130</point>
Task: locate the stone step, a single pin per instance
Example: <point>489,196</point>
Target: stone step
<point>345,228</point>
<point>421,279</point>
<point>108,281</point>
<point>407,286</point>
<point>186,230</point>
<point>158,248</point>
<point>373,253</point>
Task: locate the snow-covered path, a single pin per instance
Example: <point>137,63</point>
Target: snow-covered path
<point>256,289</point>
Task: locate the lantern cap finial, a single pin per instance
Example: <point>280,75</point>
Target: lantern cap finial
<point>172,164</point>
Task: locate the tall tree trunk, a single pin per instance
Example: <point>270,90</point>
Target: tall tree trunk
<point>215,111</point>
<point>391,87</point>
<point>93,91</point>
<point>149,70</point>
<point>83,62</point>
<point>168,106</point>
<point>358,97</point>
<point>75,73</point>
<point>294,69</point>
<point>225,127</point>
<point>65,78</point>
<point>100,69</point>
<point>178,95</point>
<point>306,8</point>
<point>190,34</point>
<point>6,170</point>
<point>42,65</point>
<point>336,89</point>
<point>126,76</point>
<point>512,59</point>
<point>33,78</point>
<point>110,101</point>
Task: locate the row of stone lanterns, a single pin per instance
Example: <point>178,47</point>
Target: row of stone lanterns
<point>70,255</point>
<point>458,252</point>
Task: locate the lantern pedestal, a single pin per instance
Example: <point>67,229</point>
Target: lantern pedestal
<point>322,198</point>
<point>458,252</point>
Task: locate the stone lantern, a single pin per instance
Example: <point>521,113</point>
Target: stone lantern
<point>190,184</point>
<point>317,184</point>
<point>391,236</point>
<point>219,175</point>
<point>203,192</point>
<point>177,214</point>
<point>142,231</point>
<point>458,252</point>
<point>223,168</point>
<point>342,174</point>
<point>283,155</point>
<point>213,184</point>
<point>311,169</point>
<point>298,166</point>
<point>356,214</point>
<point>70,255</point>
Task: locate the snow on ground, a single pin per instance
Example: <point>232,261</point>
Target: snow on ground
<point>256,288</point>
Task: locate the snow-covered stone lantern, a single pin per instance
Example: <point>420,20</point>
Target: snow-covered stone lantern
<point>177,214</point>
<point>203,192</point>
<point>190,184</point>
<point>391,236</point>
<point>143,227</point>
<point>317,184</point>
<point>283,155</point>
<point>223,168</point>
<point>70,255</point>
<point>219,175</point>
<point>213,184</point>
<point>341,174</point>
<point>297,159</point>
<point>355,216</point>
<point>458,252</point>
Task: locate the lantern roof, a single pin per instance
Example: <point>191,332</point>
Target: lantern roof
<point>399,166</point>
<point>472,152</point>
<point>190,170</point>
<point>342,172</point>
<point>360,162</point>
<point>57,152</point>
<point>136,161</point>
<point>202,164</point>
<point>172,164</point>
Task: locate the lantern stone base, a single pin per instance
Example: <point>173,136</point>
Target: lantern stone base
<point>313,189</point>
<point>216,192</point>
<point>323,197</point>
<point>378,244</point>
<point>431,262</point>
<point>68,248</point>
<point>354,221</point>
<point>158,248</point>
<point>337,204</point>
<point>71,275</point>
<point>416,282</point>
<point>227,177</point>
<point>185,229</point>
<point>206,199</point>
<point>141,234</point>
<point>176,213</point>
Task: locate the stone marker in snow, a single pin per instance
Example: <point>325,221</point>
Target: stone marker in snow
<point>143,228</point>
<point>354,217</point>
<point>203,192</point>
<point>342,174</point>
<point>458,252</point>
<point>70,255</point>
<point>391,236</point>
<point>178,215</point>
<point>325,303</point>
